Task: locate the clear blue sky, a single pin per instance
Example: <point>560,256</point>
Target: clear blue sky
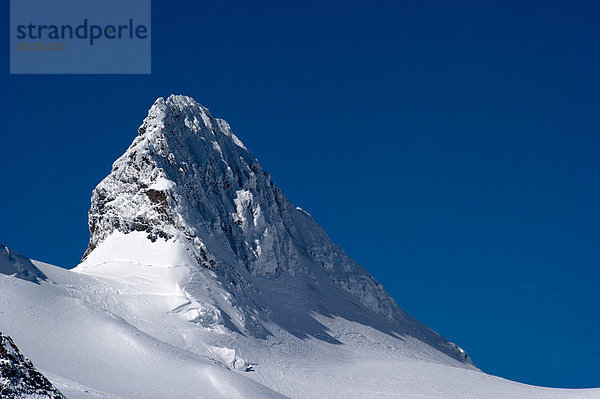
<point>453,150</point>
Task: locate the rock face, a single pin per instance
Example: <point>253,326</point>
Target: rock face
<point>187,178</point>
<point>18,377</point>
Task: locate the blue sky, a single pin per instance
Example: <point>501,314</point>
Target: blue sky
<point>450,149</point>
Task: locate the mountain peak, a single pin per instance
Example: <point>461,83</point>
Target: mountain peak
<point>189,183</point>
<point>197,118</point>
<point>179,141</point>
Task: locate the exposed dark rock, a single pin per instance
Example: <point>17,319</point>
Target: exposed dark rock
<point>19,377</point>
<point>157,197</point>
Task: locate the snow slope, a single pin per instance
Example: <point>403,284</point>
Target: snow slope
<point>93,337</point>
<point>202,280</point>
<point>127,334</point>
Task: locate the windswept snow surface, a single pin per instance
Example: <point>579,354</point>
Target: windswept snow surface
<point>202,280</point>
<point>127,333</point>
<point>115,336</point>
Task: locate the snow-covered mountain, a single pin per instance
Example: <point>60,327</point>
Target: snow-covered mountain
<point>201,279</point>
<point>189,181</point>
